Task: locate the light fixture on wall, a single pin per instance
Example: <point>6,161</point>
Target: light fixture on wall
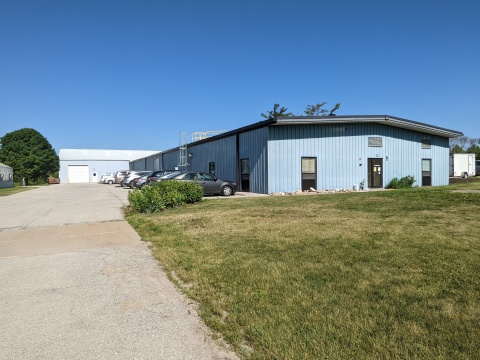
<point>190,155</point>
<point>386,158</point>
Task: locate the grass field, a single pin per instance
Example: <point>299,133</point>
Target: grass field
<point>14,190</point>
<point>472,183</point>
<point>371,275</point>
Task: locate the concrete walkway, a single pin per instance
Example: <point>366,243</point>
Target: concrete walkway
<point>76,282</point>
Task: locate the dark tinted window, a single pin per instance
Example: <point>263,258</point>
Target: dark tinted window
<point>190,176</point>
<point>207,177</point>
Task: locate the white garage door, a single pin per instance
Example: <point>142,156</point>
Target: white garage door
<point>78,174</point>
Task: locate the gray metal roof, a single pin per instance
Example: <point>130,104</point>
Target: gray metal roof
<point>381,119</point>
<point>103,154</point>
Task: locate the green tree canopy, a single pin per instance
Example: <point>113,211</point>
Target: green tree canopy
<point>311,110</point>
<point>29,154</point>
<point>317,110</point>
<point>277,111</point>
<point>474,149</point>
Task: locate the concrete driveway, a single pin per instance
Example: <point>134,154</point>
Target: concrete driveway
<point>76,282</point>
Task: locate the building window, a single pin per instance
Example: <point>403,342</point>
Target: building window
<point>245,168</point>
<point>211,168</point>
<point>426,144</point>
<point>426,172</point>
<point>375,141</point>
<point>309,173</point>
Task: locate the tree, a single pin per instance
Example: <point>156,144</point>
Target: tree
<point>474,149</point>
<point>458,144</point>
<point>317,110</point>
<point>456,149</point>
<point>29,154</point>
<point>277,111</point>
<point>335,108</point>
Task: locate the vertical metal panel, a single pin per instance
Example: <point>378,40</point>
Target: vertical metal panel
<point>149,163</point>
<point>342,151</point>
<point>170,160</point>
<point>221,152</point>
<point>253,146</point>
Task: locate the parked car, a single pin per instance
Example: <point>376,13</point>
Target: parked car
<point>127,180</point>
<point>104,175</point>
<point>140,182</point>
<point>107,178</point>
<point>119,175</point>
<point>168,176</point>
<point>159,174</point>
<point>211,184</point>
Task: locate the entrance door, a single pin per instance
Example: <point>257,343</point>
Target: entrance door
<point>375,176</point>
<point>426,172</point>
<point>471,165</point>
<point>309,173</point>
<point>245,166</point>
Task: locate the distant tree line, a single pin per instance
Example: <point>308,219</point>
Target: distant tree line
<point>463,144</point>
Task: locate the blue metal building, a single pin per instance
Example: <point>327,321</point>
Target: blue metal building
<point>327,152</point>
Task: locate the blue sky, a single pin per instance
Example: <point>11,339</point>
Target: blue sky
<point>133,74</point>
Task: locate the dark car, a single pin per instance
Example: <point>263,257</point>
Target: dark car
<point>167,176</point>
<point>211,184</point>
<point>139,182</point>
<point>158,174</point>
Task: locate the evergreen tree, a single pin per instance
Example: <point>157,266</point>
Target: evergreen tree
<point>29,154</point>
<point>277,111</point>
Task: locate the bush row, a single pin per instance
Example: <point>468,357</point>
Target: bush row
<point>403,183</point>
<point>163,195</point>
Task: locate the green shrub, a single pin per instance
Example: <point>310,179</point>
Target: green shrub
<point>147,200</point>
<point>164,194</point>
<point>403,183</point>
<point>193,192</point>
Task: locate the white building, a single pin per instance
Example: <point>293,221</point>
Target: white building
<point>88,165</point>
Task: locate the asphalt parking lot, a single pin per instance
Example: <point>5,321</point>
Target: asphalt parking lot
<point>77,282</point>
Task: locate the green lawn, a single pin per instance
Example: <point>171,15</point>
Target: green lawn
<point>14,190</point>
<point>472,183</point>
<point>371,275</point>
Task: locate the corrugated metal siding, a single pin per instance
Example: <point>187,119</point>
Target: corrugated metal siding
<point>342,151</point>
<point>222,152</point>
<point>170,160</point>
<point>150,163</point>
<point>253,146</point>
